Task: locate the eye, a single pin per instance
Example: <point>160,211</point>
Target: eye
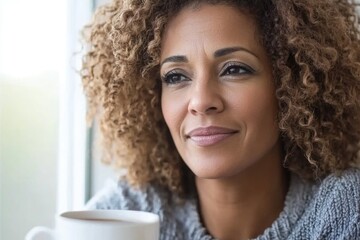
<point>174,77</point>
<point>236,69</point>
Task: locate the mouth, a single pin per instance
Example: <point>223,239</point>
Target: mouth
<point>210,135</point>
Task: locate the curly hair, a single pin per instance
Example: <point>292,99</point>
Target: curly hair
<point>315,53</point>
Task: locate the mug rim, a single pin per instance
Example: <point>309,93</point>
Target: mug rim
<point>98,215</point>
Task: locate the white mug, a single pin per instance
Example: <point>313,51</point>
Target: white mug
<point>101,224</point>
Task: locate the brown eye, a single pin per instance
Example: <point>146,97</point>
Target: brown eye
<point>174,77</point>
<point>236,69</point>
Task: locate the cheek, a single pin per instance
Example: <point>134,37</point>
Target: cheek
<point>257,107</point>
<point>172,110</point>
<point>264,121</point>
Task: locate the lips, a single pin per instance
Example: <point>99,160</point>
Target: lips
<point>210,135</point>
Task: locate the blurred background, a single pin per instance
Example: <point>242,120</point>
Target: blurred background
<point>46,162</point>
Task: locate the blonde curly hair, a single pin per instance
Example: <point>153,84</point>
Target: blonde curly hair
<point>315,53</point>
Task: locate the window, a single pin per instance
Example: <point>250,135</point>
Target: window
<point>42,128</point>
<point>98,173</point>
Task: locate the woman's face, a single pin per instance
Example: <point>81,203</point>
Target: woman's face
<point>218,93</point>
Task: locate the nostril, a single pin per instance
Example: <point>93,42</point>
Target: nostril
<point>210,109</point>
<point>206,103</point>
<point>205,111</point>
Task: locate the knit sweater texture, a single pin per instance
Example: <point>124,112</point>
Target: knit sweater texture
<point>329,209</point>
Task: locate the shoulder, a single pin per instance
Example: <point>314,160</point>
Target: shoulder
<point>150,198</point>
<point>343,188</point>
<point>335,208</point>
<point>121,195</point>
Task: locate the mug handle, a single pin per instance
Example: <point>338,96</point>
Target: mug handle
<point>40,229</point>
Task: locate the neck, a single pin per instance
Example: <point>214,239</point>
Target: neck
<point>243,206</point>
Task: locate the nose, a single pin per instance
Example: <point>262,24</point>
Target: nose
<point>206,98</point>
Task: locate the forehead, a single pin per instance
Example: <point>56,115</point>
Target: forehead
<point>209,26</point>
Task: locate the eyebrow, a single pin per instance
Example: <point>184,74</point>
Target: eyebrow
<point>177,58</point>
<point>225,51</point>
<point>218,53</point>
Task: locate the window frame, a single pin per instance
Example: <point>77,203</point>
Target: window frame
<point>73,183</point>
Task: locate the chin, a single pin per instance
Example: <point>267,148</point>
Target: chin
<point>214,172</point>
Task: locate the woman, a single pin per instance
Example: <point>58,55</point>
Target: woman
<point>234,119</point>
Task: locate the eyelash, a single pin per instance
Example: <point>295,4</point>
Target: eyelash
<point>244,68</point>
<point>167,78</point>
<point>181,77</point>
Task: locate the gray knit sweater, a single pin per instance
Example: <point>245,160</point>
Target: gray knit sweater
<point>327,210</point>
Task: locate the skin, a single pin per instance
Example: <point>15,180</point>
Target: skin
<point>216,73</point>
